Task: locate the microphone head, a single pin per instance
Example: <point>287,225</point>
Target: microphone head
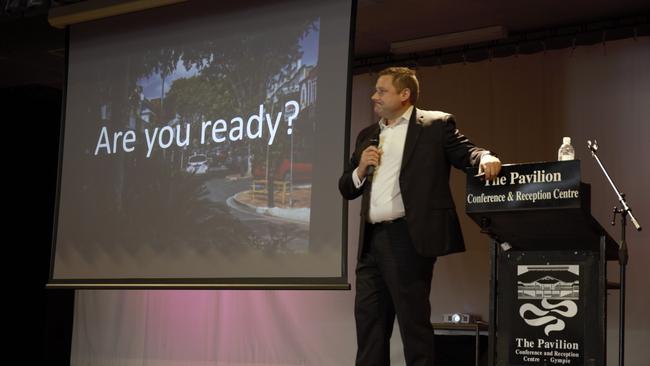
<point>593,146</point>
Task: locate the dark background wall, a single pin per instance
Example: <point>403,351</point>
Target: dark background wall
<point>42,319</point>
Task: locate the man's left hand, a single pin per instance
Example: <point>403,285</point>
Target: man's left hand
<point>491,166</point>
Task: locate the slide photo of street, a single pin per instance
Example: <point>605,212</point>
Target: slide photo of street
<point>264,189</point>
<point>192,159</point>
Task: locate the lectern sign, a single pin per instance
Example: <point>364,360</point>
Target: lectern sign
<point>548,328</point>
<point>543,310</point>
<point>527,186</point>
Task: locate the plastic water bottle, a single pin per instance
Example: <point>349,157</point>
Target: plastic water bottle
<point>566,151</point>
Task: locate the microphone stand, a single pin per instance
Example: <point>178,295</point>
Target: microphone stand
<point>624,211</point>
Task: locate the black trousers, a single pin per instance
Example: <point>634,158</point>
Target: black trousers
<point>393,279</point>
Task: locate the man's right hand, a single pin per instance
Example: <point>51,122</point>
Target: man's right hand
<point>369,157</point>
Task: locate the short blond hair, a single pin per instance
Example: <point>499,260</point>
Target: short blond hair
<point>403,78</point>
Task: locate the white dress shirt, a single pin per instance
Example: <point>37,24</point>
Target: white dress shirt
<point>385,196</point>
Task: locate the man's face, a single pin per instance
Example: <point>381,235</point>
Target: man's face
<point>387,101</point>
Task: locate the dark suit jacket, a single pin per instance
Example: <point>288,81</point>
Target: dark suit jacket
<point>432,145</point>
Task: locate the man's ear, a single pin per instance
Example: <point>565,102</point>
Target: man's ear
<point>405,94</point>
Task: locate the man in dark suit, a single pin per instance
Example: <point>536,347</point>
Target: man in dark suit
<point>400,167</point>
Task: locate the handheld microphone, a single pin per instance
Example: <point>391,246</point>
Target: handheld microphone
<point>374,141</point>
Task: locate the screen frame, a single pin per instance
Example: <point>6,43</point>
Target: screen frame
<point>248,283</point>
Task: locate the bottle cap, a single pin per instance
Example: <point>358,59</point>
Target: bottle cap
<point>566,140</point>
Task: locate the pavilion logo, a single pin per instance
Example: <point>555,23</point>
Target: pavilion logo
<point>545,283</point>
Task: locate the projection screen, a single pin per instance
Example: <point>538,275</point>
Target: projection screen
<point>201,147</point>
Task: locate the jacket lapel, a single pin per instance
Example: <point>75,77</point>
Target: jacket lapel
<point>374,133</point>
<point>412,134</point>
